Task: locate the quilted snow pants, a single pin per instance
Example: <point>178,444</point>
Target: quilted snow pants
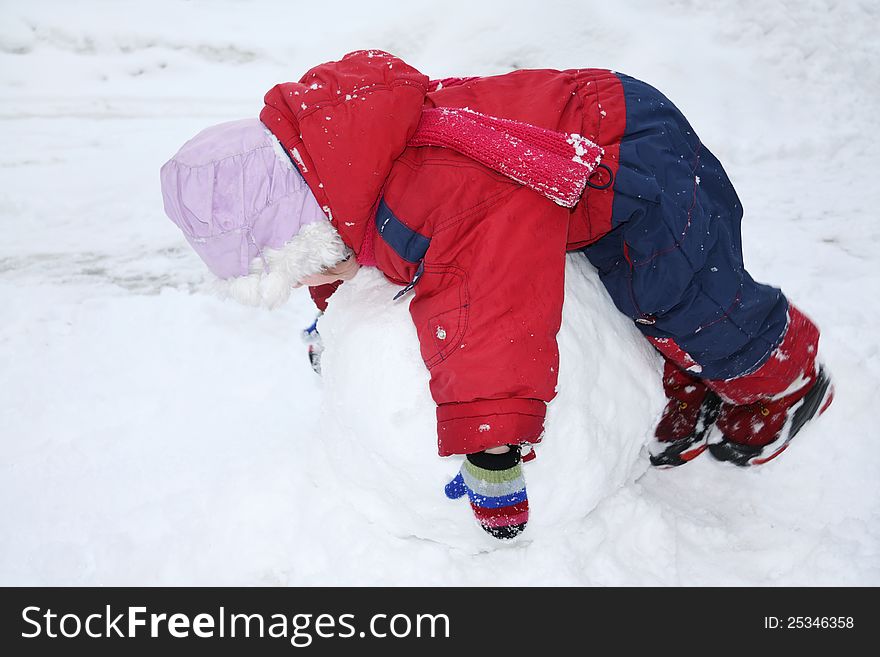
<point>673,260</point>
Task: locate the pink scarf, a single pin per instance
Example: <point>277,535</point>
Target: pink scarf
<point>554,164</point>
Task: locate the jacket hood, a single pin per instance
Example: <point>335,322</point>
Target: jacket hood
<point>343,124</point>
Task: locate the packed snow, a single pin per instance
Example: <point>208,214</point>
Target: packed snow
<point>151,433</point>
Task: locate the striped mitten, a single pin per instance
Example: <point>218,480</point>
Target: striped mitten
<point>496,488</point>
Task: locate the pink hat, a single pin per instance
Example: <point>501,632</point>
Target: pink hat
<point>248,213</point>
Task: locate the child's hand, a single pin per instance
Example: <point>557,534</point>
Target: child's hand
<point>316,346</point>
<point>496,489</point>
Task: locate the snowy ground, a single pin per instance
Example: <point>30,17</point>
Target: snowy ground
<point>151,434</point>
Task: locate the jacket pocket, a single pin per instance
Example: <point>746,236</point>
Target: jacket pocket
<point>440,312</point>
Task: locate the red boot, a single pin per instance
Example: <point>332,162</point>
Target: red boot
<point>757,432</point>
<point>692,409</point>
<point>764,410</point>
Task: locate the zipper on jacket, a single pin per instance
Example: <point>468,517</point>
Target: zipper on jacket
<point>412,283</point>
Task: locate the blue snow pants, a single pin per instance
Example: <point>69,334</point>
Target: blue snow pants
<point>673,259</point>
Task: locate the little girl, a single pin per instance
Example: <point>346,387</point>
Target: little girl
<point>470,192</point>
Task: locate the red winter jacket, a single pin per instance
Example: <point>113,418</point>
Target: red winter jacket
<point>488,254</point>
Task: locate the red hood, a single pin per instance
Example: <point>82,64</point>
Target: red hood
<point>344,123</point>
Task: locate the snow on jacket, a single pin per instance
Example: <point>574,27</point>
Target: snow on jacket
<point>487,254</point>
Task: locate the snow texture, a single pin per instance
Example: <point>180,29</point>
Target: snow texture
<point>153,434</point>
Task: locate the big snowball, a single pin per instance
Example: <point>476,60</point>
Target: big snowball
<point>378,419</point>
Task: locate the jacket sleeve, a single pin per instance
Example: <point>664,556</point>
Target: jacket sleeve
<point>487,310</point>
<point>321,294</point>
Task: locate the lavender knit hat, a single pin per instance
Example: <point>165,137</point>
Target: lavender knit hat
<point>248,213</point>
